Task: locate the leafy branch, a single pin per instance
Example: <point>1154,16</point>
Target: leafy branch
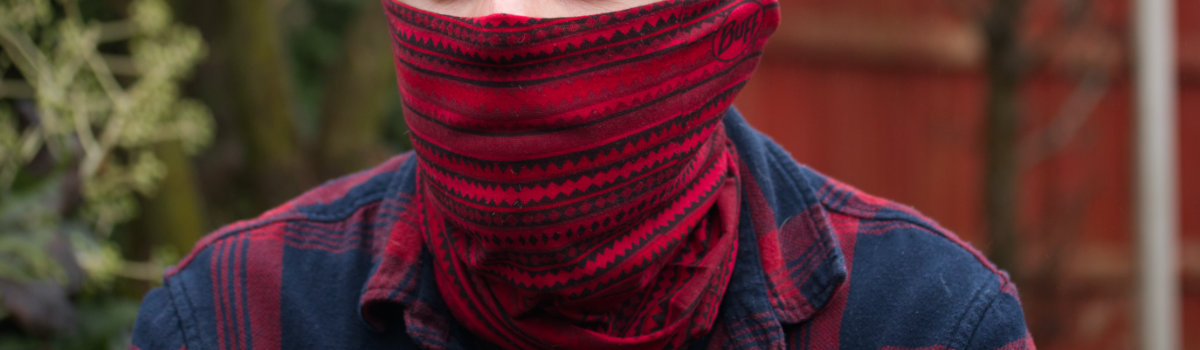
<point>83,105</point>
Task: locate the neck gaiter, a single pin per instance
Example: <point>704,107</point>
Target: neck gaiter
<point>575,185</point>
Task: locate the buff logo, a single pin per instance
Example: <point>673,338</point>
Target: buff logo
<point>739,29</point>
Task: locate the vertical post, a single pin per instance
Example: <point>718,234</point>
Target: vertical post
<point>1005,78</point>
<point>1155,175</point>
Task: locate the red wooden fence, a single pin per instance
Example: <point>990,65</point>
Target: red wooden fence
<point>889,96</point>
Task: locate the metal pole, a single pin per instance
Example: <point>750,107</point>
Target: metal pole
<point>1155,176</point>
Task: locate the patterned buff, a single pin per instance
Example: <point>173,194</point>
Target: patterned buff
<point>576,188</point>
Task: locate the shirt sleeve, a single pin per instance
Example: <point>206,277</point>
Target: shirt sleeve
<point>158,325</point>
<point>1002,326</point>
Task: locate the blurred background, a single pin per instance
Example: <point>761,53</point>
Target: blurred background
<point>130,128</point>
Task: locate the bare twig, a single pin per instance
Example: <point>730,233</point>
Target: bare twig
<point>83,129</point>
<point>112,130</point>
<point>1073,14</point>
<point>117,31</point>
<point>24,54</point>
<point>970,8</point>
<point>1005,66</point>
<point>27,147</point>
<point>16,89</point>
<point>104,76</point>
<point>122,65</point>
<point>1072,116</point>
<point>143,271</point>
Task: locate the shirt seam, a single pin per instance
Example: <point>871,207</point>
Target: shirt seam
<point>973,317</point>
<point>922,225</point>
<point>179,316</point>
<point>295,214</point>
<point>861,213</point>
<point>254,224</point>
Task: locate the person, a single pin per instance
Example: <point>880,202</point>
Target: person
<point>579,180</point>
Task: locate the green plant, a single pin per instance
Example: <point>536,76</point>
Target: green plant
<point>83,104</point>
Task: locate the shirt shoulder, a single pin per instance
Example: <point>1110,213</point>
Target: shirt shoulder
<point>912,283</point>
<point>321,218</point>
<point>243,283</point>
<point>905,281</point>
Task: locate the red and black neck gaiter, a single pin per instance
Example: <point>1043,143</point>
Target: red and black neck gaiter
<point>575,185</point>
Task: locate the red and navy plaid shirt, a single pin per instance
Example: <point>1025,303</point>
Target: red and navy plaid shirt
<point>852,271</point>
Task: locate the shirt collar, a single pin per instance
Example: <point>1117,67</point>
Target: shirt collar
<point>789,248</point>
<point>394,280</point>
<point>798,257</point>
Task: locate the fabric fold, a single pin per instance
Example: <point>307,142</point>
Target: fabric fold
<point>575,186</point>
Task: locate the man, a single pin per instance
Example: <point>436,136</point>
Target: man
<point>580,181</point>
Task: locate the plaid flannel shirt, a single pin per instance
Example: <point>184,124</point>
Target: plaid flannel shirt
<point>852,271</point>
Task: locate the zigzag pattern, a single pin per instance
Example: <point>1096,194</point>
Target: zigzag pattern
<point>460,38</point>
<point>575,186</point>
<point>547,72</point>
<point>585,158</point>
<point>534,191</point>
<point>574,109</point>
<point>596,260</point>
